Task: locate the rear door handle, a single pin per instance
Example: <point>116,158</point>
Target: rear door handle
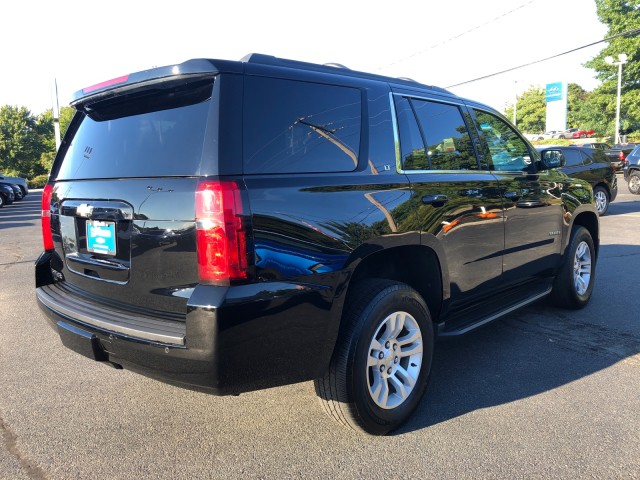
<point>435,200</point>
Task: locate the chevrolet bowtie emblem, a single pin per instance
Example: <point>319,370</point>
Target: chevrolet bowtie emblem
<point>84,210</point>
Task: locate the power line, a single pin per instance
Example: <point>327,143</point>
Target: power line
<point>436,45</point>
<point>628,33</point>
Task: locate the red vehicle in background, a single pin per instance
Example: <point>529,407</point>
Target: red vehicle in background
<point>577,133</point>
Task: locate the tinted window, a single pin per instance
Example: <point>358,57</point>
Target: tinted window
<point>412,152</point>
<point>507,150</point>
<point>300,127</point>
<point>155,144</point>
<point>446,136</point>
<point>595,156</point>
<point>573,158</point>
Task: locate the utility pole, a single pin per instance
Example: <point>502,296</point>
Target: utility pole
<point>515,101</point>
<point>56,114</point>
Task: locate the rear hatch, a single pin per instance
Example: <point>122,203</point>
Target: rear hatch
<point>123,194</point>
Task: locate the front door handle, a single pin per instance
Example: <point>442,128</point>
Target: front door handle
<point>435,200</point>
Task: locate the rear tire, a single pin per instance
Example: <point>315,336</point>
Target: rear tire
<point>1,201</point>
<point>634,183</point>
<point>382,360</point>
<point>573,284</point>
<point>602,200</point>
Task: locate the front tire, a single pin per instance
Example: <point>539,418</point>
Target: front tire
<point>634,183</point>
<point>382,360</point>
<point>573,284</point>
<point>601,197</point>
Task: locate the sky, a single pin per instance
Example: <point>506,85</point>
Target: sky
<point>81,43</point>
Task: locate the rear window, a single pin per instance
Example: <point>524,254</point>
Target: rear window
<point>135,142</point>
<point>300,127</point>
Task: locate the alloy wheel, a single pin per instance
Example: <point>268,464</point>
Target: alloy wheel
<point>582,268</point>
<point>395,359</point>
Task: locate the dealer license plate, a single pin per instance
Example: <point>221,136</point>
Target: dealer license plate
<point>101,237</point>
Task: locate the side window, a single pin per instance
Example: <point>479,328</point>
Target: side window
<point>446,136</point>
<point>507,151</point>
<point>300,127</point>
<point>573,158</point>
<point>589,158</point>
<point>412,152</point>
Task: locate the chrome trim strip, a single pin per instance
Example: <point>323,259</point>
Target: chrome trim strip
<point>396,135</point>
<point>138,327</point>
<point>435,98</point>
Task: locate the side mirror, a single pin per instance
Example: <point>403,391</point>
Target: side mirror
<point>552,159</point>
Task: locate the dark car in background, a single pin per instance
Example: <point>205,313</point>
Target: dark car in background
<point>7,196</point>
<point>594,145</point>
<point>618,154</point>
<point>19,181</point>
<point>591,165</point>
<point>615,154</point>
<point>17,191</point>
<point>631,170</point>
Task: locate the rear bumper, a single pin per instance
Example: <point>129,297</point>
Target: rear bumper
<point>233,339</point>
<point>90,336</point>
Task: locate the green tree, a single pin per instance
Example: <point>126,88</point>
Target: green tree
<point>619,16</point>
<point>46,132</point>
<point>20,143</point>
<point>576,98</point>
<point>530,110</point>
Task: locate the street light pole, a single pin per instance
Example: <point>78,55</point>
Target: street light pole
<point>622,57</point>
<point>515,100</point>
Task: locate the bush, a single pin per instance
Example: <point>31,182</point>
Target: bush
<point>38,181</point>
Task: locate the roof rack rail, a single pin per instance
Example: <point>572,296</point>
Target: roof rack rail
<point>338,68</point>
<point>336,65</point>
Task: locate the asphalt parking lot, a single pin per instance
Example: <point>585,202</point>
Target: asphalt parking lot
<point>541,393</point>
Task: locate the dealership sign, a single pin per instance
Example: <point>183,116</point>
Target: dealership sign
<point>555,92</point>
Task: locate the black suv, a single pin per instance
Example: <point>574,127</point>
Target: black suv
<point>230,226</point>
<point>591,165</point>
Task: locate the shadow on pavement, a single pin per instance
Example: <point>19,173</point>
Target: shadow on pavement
<point>531,351</point>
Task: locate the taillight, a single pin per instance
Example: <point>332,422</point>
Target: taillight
<point>220,233</point>
<point>621,155</point>
<point>47,236</point>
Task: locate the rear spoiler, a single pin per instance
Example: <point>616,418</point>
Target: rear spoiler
<point>187,71</point>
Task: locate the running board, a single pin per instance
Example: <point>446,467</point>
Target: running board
<point>467,327</point>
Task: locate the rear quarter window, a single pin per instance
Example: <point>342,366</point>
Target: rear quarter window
<point>300,127</point>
